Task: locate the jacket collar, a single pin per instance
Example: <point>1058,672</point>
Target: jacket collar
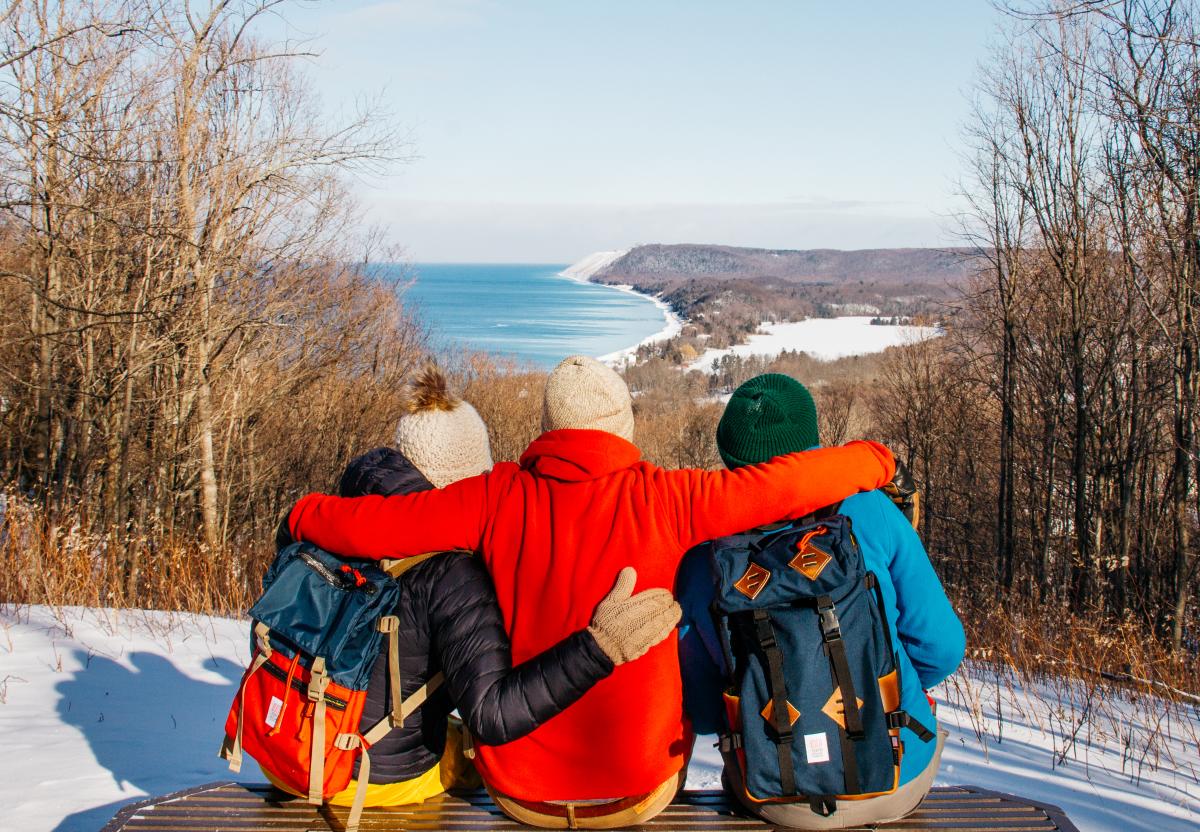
<point>578,455</point>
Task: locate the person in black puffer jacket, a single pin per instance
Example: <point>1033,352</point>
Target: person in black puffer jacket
<point>450,621</point>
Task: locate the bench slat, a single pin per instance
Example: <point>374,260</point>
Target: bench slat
<point>233,807</point>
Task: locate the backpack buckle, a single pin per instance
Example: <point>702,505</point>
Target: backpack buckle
<point>831,628</point>
<point>318,680</point>
<point>389,624</point>
<point>727,743</point>
<point>902,719</point>
<point>763,630</point>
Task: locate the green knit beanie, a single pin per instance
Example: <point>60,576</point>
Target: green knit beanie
<point>767,416</point>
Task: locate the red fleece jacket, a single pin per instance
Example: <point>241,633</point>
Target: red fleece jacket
<point>554,531</point>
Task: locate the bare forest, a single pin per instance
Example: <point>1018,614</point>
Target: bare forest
<point>1059,423</point>
<point>190,334</point>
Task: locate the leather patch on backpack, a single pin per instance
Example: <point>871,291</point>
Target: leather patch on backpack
<point>768,713</point>
<point>752,583</point>
<point>834,710</point>
<point>810,560</point>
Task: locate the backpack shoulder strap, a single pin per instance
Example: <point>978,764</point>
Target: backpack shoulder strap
<point>389,625</point>
<point>395,567</point>
<point>380,729</point>
<point>821,513</point>
<point>231,748</point>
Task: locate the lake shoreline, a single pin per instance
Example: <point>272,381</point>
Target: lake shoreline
<point>672,321</point>
<point>527,313</point>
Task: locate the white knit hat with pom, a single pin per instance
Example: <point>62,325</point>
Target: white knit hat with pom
<point>582,393</point>
<point>441,434</point>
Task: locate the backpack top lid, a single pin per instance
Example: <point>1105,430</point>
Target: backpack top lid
<point>784,566</point>
<point>327,607</point>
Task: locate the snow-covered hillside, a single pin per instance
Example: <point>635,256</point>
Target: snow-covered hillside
<point>823,338</point>
<point>98,708</point>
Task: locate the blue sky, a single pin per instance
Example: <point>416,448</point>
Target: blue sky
<point>547,130</point>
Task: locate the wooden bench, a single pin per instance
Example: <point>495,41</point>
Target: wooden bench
<point>234,807</point>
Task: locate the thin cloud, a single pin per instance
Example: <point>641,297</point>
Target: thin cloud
<point>508,231</point>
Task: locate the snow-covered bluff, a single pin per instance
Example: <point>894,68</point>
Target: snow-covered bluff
<point>593,263</point>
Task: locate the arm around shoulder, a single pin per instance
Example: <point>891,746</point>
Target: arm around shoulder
<point>709,504</point>
<point>399,526</point>
<point>499,702</point>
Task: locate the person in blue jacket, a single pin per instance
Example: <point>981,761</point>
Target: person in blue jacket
<point>774,414</point>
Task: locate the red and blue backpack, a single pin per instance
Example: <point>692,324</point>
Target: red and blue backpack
<point>319,627</point>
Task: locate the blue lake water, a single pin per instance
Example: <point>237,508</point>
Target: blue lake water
<point>525,312</point>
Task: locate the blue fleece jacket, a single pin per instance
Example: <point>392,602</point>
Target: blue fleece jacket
<point>925,629</point>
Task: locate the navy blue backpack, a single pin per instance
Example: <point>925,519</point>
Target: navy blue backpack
<point>813,702</point>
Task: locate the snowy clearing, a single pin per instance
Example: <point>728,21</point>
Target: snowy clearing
<point>823,338</point>
<point>99,708</point>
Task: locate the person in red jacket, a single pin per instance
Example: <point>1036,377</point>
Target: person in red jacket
<point>552,530</point>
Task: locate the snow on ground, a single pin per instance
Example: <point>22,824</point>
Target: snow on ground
<point>823,338</point>
<point>99,708</point>
<point>1105,780</point>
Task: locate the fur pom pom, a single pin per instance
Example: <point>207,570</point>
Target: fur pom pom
<point>431,392</point>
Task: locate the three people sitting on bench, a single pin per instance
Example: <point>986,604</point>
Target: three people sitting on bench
<point>553,532</point>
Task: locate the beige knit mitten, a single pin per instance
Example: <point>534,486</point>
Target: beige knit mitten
<point>627,625</point>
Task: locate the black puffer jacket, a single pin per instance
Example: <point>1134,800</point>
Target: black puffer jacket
<point>450,621</point>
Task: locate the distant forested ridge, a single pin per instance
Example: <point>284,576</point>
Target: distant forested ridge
<point>824,265</point>
<point>727,292</point>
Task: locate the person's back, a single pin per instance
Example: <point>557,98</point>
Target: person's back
<point>549,529</point>
<point>606,509</point>
<point>774,414</point>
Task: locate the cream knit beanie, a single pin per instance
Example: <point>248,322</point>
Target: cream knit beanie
<point>583,393</point>
<point>441,434</point>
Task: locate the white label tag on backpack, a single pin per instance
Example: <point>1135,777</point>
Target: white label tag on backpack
<point>273,711</point>
<point>816,748</point>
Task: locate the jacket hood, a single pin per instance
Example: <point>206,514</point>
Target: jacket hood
<point>575,455</point>
<point>382,471</point>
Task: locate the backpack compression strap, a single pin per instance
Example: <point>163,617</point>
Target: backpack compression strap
<point>231,748</point>
<point>896,719</point>
<point>852,730</point>
<point>318,680</point>
<point>765,634</point>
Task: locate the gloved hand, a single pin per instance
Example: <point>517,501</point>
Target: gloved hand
<point>627,625</point>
